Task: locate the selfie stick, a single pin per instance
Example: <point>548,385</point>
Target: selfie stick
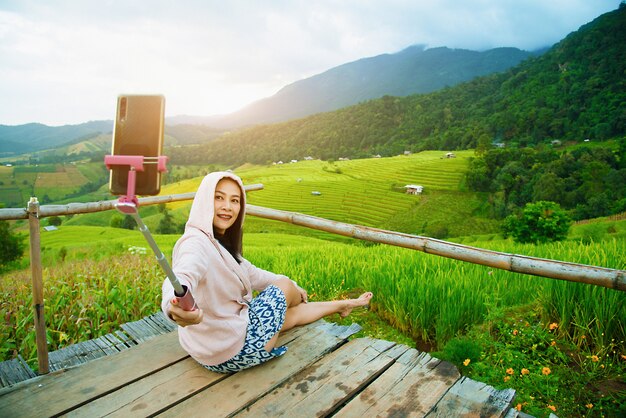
<point>128,205</point>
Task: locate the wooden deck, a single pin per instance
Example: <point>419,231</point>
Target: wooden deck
<point>322,374</point>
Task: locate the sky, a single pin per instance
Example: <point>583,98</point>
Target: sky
<point>66,61</point>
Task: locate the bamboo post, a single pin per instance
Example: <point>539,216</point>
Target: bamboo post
<point>35,267</point>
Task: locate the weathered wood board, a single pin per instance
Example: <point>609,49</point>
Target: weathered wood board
<point>323,373</point>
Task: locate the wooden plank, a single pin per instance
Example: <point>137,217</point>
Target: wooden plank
<point>241,389</point>
<point>74,354</point>
<point>149,327</point>
<point>116,342</point>
<point>14,371</point>
<point>474,398</point>
<point>105,345</point>
<point>156,325</point>
<point>164,324</point>
<point>125,338</point>
<point>62,391</point>
<point>152,393</point>
<point>319,389</point>
<point>409,388</point>
<point>167,387</point>
<point>374,393</point>
<point>134,332</point>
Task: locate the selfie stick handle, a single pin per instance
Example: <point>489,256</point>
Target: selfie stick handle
<point>128,205</point>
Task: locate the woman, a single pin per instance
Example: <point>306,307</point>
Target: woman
<point>231,331</point>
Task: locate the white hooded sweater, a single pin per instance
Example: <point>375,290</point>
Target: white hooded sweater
<point>221,287</point>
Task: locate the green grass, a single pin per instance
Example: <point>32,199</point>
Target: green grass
<point>429,301</point>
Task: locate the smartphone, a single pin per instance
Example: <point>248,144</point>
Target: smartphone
<point>138,130</point>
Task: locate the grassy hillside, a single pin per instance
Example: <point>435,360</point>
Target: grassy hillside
<point>49,182</point>
<point>371,192</point>
<point>367,192</point>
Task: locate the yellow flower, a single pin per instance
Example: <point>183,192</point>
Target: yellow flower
<point>509,371</point>
<point>589,405</point>
<point>514,332</point>
<point>594,358</point>
<point>525,372</point>
<point>553,326</point>
<point>552,407</point>
<point>553,343</point>
<point>546,371</point>
<point>466,362</point>
<point>506,378</point>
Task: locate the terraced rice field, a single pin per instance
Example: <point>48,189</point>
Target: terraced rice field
<point>366,192</point>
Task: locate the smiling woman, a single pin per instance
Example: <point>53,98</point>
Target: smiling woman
<point>230,330</point>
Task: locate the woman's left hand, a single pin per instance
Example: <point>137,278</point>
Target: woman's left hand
<point>303,294</point>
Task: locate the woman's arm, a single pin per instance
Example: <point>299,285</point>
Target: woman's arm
<point>189,265</point>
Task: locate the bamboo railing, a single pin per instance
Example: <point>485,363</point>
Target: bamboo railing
<point>580,273</point>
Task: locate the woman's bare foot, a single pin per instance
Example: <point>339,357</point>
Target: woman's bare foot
<point>362,300</point>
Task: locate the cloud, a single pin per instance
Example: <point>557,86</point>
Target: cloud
<point>65,61</point>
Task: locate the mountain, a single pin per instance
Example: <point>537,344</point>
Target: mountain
<point>31,137</point>
<point>412,71</point>
<point>574,91</point>
<point>34,137</point>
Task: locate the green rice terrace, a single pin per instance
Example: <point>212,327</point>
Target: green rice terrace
<point>559,344</point>
<point>369,192</point>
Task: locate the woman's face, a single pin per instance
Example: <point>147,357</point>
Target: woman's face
<point>227,205</point>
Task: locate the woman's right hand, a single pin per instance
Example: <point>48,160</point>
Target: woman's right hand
<point>183,317</point>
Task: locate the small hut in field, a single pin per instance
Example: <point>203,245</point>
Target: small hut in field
<point>414,189</point>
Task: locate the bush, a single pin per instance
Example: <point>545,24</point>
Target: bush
<point>167,225</point>
<point>55,221</point>
<point>11,246</point>
<point>539,222</point>
<point>459,350</point>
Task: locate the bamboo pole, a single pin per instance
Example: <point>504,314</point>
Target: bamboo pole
<point>89,207</point>
<point>581,273</point>
<point>38,301</point>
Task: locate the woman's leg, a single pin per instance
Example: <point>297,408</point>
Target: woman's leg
<point>299,313</point>
<point>305,313</point>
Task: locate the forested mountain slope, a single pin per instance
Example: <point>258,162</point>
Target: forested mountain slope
<point>411,71</point>
<point>576,90</point>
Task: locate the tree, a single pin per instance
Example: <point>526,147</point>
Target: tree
<point>166,225</point>
<point>116,221</point>
<point>128,222</point>
<point>54,220</point>
<point>11,246</point>
<point>541,221</point>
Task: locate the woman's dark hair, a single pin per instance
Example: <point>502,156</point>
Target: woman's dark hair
<point>231,242</point>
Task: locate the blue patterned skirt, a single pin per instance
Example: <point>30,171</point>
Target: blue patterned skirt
<point>266,315</point>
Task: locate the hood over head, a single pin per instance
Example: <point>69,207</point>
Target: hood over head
<point>203,207</point>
